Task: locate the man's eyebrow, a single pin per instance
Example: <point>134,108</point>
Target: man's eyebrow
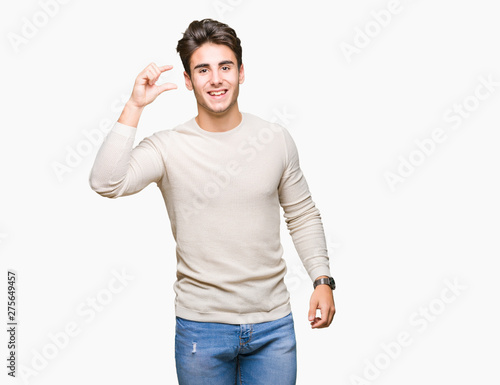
<point>202,65</point>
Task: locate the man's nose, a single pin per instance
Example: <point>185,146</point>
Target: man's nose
<point>215,77</point>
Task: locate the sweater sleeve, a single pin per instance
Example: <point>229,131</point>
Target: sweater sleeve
<point>119,169</point>
<point>302,217</point>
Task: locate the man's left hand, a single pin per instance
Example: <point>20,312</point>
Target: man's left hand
<point>322,299</point>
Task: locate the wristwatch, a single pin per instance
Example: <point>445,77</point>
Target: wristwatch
<point>325,281</point>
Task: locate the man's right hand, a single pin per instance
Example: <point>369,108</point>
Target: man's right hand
<point>145,90</point>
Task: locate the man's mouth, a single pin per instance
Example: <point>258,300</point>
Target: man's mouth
<point>217,93</point>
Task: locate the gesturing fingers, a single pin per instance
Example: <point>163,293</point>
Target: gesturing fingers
<point>166,67</point>
<point>166,87</point>
<point>153,73</point>
<point>145,88</point>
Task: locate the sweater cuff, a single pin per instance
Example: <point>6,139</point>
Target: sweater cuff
<point>123,129</point>
<point>319,271</point>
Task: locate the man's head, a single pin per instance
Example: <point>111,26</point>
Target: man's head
<point>211,54</point>
<point>207,31</point>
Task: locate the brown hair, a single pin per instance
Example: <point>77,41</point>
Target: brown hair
<point>207,31</point>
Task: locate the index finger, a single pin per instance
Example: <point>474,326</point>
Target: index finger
<point>166,67</point>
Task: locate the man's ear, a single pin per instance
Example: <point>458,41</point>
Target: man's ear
<point>242,74</point>
<point>187,80</point>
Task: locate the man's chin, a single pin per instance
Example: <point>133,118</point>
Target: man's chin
<point>217,110</point>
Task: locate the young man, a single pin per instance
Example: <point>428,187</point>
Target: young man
<point>223,176</point>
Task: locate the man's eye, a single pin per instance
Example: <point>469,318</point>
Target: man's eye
<point>203,70</point>
<point>225,68</point>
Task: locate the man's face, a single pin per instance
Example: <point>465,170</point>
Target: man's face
<point>215,78</point>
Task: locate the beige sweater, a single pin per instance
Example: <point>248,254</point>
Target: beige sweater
<point>223,192</point>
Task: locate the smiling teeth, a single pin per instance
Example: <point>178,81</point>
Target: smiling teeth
<point>217,93</point>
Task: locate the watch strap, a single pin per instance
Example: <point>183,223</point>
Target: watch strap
<point>325,281</point>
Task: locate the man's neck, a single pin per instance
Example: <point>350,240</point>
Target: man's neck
<point>219,122</point>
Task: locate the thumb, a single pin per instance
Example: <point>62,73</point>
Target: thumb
<point>312,309</point>
<point>166,87</point>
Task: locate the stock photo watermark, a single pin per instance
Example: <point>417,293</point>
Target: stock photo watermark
<point>224,175</point>
<point>380,19</point>
<point>31,26</point>
<point>282,117</point>
<point>12,323</point>
<point>91,140</point>
<point>419,321</point>
<point>454,116</point>
<point>223,6</point>
<point>297,274</point>
<point>86,311</point>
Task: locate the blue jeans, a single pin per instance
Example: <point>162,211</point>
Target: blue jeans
<point>209,353</point>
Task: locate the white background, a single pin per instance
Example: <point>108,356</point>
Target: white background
<point>354,118</point>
